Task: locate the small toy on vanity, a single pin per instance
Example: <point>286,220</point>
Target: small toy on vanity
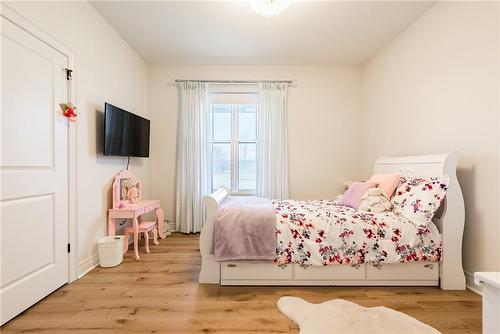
<point>126,190</point>
<point>132,191</point>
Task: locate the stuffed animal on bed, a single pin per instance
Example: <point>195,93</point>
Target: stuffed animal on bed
<point>374,200</point>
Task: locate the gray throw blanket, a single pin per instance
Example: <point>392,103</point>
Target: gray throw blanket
<point>245,230</point>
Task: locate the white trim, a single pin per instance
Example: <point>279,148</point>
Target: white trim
<point>171,226</point>
<point>23,23</point>
<point>87,265</point>
<point>471,284</point>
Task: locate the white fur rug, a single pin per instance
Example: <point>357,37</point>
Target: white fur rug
<point>340,316</point>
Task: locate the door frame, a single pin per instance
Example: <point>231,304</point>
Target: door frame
<point>15,18</point>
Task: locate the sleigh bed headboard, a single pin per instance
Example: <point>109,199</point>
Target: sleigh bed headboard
<point>450,219</point>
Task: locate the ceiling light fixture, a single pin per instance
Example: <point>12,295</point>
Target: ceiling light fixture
<point>269,8</point>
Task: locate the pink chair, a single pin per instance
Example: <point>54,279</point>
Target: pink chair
<point>145,228</point>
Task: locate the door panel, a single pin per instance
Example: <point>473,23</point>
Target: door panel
<point>34,171</point>
<point>38,224</point>
<point>21,125</point>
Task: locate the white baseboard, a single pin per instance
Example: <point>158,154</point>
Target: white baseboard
<point>471,285</point>
<point>172,226</point>
<point>87,265</point>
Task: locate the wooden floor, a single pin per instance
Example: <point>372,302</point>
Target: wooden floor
<point>160,294</point>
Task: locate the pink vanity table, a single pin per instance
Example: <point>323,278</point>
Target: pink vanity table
<point>123,209</point>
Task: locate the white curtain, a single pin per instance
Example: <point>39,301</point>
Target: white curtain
<point>193,160</point>
<point>272,147</point>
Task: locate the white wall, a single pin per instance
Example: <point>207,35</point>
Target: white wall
<point>435,88</point>
<point>106,70</point>
<point>324,124</point>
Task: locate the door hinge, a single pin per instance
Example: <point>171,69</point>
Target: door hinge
<point>69,248</point>
<point>68,74</point>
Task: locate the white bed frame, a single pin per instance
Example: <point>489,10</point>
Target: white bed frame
<point>448,274</point>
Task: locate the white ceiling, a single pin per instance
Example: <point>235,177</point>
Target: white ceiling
<point>228,32</point>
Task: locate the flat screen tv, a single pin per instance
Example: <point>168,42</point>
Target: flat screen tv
<point>125,134</point>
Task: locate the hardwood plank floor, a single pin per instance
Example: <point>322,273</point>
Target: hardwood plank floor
<point>160,294</point>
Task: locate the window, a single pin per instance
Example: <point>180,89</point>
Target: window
<point>234,142</point>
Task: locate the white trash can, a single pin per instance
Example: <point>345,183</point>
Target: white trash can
<point>110,250</point>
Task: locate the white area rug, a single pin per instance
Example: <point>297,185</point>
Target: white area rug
<point>340,316</point>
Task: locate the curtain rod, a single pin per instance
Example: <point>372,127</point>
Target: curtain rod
<point>290,82</point>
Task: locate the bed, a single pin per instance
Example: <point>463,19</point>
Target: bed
<point>447,228</point>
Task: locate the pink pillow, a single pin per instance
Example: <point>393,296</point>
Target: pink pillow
<point>352,197</point>
<point>386,182</point>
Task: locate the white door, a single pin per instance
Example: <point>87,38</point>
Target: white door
<point>34,171</point>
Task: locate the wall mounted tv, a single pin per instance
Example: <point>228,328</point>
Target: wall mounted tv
<point>125,134</point>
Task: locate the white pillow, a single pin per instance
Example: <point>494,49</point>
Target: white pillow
<point>418,198</point>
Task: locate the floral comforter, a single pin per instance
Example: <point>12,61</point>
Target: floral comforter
<point>320,232</point>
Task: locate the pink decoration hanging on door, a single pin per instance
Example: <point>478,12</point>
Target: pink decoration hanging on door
<point>69,111</point>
